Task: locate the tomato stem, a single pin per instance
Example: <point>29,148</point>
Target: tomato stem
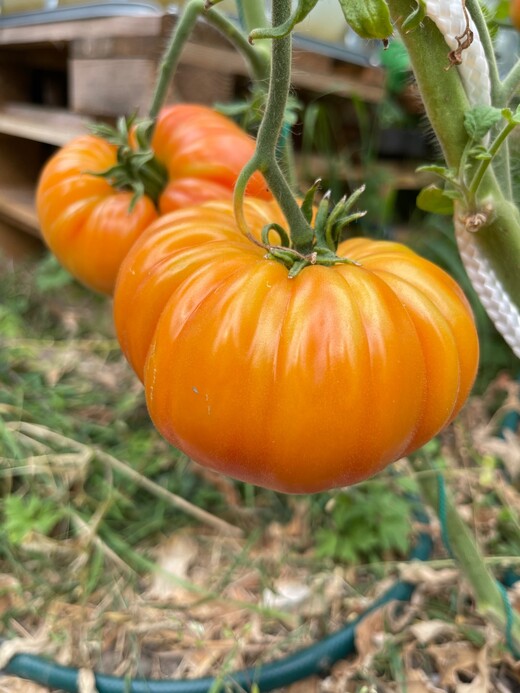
<point>264,159</point>
<point>446,104</point>
<point>499,97</point>
<point>483,166</point>
<point>511,84</point>
<point>257,59</point>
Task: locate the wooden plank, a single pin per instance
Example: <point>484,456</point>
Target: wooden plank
<point>111,87</point>
<point>20,160</point>
<point>338,83</point>
<point>146,25</point>
<point>17,208</point>
<point>42,57</point>
<point>327,80</point>
<point>18,246</point>
<point>15,82</point>
<point>41,124</point>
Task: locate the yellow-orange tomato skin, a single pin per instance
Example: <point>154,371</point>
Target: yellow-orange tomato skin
<point>89,225</point>
<point>295,384</point>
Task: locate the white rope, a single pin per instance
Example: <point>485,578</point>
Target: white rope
<point>450,18</point>
<point>502,311</point>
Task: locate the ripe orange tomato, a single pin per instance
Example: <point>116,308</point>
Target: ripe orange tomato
<point>295,384</point>
<point>88,224</point>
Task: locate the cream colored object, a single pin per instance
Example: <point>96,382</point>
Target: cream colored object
<point>451,21</point>
<point>500,308</point>
<point>324,23</point>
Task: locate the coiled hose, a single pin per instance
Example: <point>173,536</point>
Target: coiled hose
<point>314,660</point>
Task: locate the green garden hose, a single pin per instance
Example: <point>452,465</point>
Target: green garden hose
<point>316,659</point>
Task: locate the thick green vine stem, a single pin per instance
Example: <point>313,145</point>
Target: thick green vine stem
<point>445,101</point>
<point>258,60</point>
<point>264,159</point>
<point>304,245</point>
<point>487,592</point>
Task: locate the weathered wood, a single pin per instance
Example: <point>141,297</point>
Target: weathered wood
<point>15,83</point>
<point>69,31</point>
<point>107,67</point>
<point>17,246</point>
<point>111,87</point>
<point>41,57</point>
<point>17,208</point>
<point>20,160</point>
<point>40,123</point>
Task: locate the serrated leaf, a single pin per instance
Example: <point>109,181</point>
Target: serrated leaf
<point>433,199</point>
<point>480,119</point>
<point>438,170</point>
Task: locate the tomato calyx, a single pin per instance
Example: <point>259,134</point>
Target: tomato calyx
<point>137,169</point>
<point>328,229</point>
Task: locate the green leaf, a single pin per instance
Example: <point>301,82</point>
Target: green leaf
<point>415,18</point>
<point>480,119</point>
<point>442,171</point>
<point>370,19</point>
<point>433,199</point>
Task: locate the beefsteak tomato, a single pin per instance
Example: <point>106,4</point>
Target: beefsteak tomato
<point>296,384</point>
<point>88,223</point>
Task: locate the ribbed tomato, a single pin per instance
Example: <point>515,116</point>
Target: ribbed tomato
<point>295,384</point>
<point>88,224</point>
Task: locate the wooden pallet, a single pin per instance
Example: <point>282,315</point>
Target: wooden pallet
<point>55,78</point>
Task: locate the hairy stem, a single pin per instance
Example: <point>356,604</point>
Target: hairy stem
<point>501,163</point>
<point>484,164</point>
<point>256,59</point>
<point>253,16</point>
<point>473,7</point>
<point>268,137</point>
<point>446,103</point>
<point>510,85</point>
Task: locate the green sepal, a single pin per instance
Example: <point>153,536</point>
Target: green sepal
<point>137,170</point>
<point>307,206</point>
<point>370,19</point>
<point>433,199</point>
